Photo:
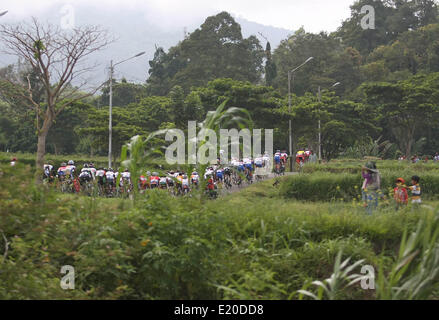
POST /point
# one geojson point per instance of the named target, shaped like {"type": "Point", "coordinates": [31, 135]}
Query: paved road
{"type": "Point", "coordinates": [235, 188]}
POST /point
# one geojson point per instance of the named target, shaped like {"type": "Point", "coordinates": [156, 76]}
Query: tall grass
{"type": "Point", "coordinates": [251, 245]}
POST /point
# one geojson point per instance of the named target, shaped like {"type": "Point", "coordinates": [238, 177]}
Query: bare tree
{"type": "Point", "coordinates": [57, 58]}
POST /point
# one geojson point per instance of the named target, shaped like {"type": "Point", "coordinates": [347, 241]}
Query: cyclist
{"type": "Point", "coordinates": [284, 158]}
{"type": "Point", "coordinates": [163, 183]}
{"type": "Point", "coordinates": [211, 186]}
{"type": "Point", "coordinates": [143, 183]}
{"type": "Point", "coordinates": [259, 162]}
{"type": "Point", "coordinates": [100, 175]}
{"type": "Point", "coordinates": [300, 158]}
{"type": "Point", "coordinates": [71, 168]}
{"type": "Point", "coordinates": [179, 178]}
{"type": "Point", "coordinates": [185, 184]}
{"type": "Point", "coordinates": [170, 182]}
{"type": "Point", "coordinates": [92, 169]}
{"type": "Point", "coordinates": [61, 172]}
{"type": "Point", "coordinates": [48, 171]}
{"type": "Point", "coordinates": [85, 176]}
{"type": "Point", "coordinates": [248, 169]}
{"type": "Point", "coordinates": [195, 178]}
{"type": "Point", "coordinates": [209, 171]}
{"type": "Point", "coordinates": [110, 177]}
{"type": "Point", "coordinates": [154, 180]}
{"type": "Point", "coordinates": [220, 174]}
{"type": "Point", "coordinates": [125, 180]}
{"type": "Point", "coordinates": [277, 160]}
{"type": "Point", "coordinates": [228, 176]}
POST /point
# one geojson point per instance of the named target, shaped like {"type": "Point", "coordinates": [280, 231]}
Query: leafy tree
{"type": "Point", "coordinates": [406, 106]}
{"type": "Point", "coordinates": [123, 128]}
{"type": "Point", "coordinates": [292, 52]}
{"type": "Point", "coordinates": [215, 50]}
{"type": "Point", "coordinates": [270, 66]}
{"type": "Point", "coordinates": [365, 41]}
{"type": "Point", "coordinates": [124, 93]}
{"type": "Point", "coordinates": [413, 52]}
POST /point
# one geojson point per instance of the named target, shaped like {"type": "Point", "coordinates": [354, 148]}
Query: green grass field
{"type": "Point", "coordinates": [254, 244]}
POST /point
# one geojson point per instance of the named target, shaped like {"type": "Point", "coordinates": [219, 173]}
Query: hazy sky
{"type": "Point", "coordinates": [314, 15]}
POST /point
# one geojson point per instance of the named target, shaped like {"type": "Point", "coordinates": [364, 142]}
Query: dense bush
{"type": "Point", "coordinates": [324, 186]}
{"type": "Point", "coordinates": [249, 245]}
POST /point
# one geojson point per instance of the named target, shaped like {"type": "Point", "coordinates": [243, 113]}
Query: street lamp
{"type": "Point", "coordinates": [110, 120]}
{"type": "Point", "coordinates": [290, 73]}
{"type": "Point", "coordinates": [3, 13]}
{"type": "Point", "coordinates": [320, 130]}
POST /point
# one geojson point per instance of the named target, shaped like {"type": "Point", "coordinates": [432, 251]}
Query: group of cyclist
{"type": "Point", "coordinates": [107, 181]}
{"type": "Point", "coordinates": [110, 182]}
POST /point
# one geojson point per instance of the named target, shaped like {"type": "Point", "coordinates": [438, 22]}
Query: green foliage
{"type": "Point", "coordinates": [325, 186]}
{"type": "Point", "coordinates": [405, 106]}
{"type": "Point", "coordinates": [158, 247]}
{"type": "Point", "coordinates": [215, 50]}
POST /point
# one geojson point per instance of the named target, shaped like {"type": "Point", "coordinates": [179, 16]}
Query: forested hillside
{"type": "Point", "coordinates": [388, 87]}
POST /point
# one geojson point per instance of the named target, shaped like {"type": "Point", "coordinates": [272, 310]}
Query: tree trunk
{"type": "Point", "coordinates": [41, 147]}
{"type": "Point", "coordinates": [41, 151]}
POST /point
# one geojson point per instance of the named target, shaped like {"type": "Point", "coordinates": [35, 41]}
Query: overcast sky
{"type": "Point", "coordinates": [140, 25]}
{"type": "Point", "coordinates": [314, 15]}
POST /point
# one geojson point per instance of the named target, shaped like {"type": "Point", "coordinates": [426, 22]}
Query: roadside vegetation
{"type": "Point", "coordinates": [254, 244]}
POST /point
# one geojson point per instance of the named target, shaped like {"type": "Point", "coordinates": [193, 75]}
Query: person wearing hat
{"type": "Point", "coordinates": [400, 194]}
{"type": "Point", "coordinates": [371, 186]}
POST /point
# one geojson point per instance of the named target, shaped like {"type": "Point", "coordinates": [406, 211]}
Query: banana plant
{"type": "Point", "coordinates": [137, 153]}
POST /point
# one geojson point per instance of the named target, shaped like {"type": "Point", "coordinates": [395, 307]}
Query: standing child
{"type": "Point", "coordinates": [416, 190]}
{"type": "Point", "coordinates": [400, 193]}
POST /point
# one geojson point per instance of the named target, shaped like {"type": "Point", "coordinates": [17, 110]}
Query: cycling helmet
{"type": "Point", "coordinates": [71, 163]}
{"type": "Point", "coordinates": [14, 159]}
{"type": "Point", "coordinates": [85, 165]}
{"type": "Point", "coordinates": [195, 173]}
{"type": "Point", "coordinates": [63, 164]}
{"type": "Point", "coordinates": [155, 174]}
{"type": "Point", "coordinates": [400, 180]}
{"type": "Point", "coordinates": [91, 165]}
{"type": "Point", "coordinates": [185, 177]}
{"type": "Point", "coordinates": [110, 169]}
{"type": "Point", "coordinates": [126, 170]}
{"type": "Point", "coordinates": [148, 173]}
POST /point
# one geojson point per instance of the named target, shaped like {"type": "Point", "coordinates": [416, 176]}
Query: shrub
{"type": "Point", "coordinates": [324, 186]}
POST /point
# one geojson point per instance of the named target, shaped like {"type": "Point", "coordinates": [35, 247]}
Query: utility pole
{"type": "Point", "coordinates": [291, 75]}
{"type": "Point", "coordinates": [319, 95]}
{"type": "Point", "coordinates": [110, 119]}
{"type": "Point", "coordinates": [320, 130]}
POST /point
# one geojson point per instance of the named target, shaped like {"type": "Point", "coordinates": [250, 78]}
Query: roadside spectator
{"type": "Point", "coordinates": [400, 194]}
{"type": "Point", "coordinates": [312, 157]}
{"type": "Point", "coordinates": [415, 190]}
{"type": "Point", "coordinates": [371, 186]}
